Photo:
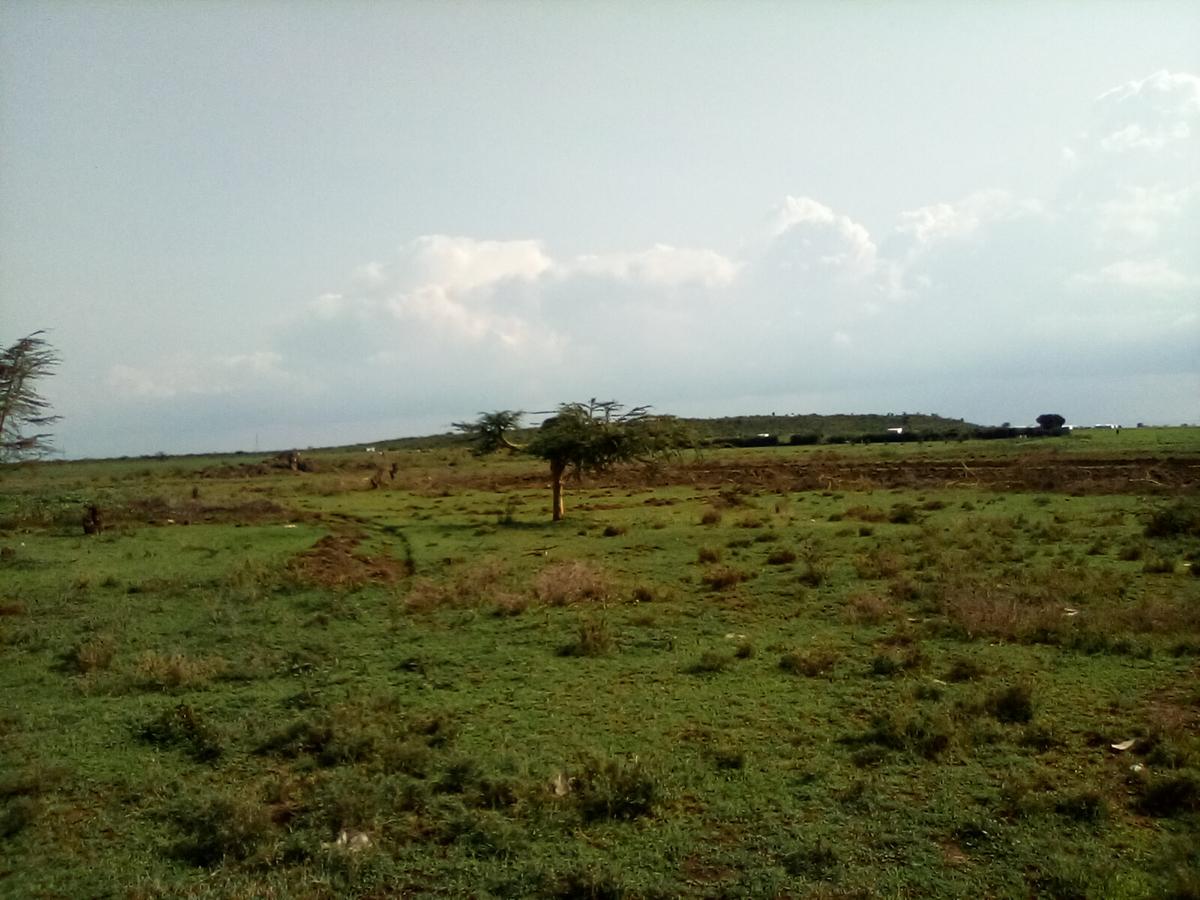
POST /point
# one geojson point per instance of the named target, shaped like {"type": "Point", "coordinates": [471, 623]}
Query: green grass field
{"type": "Point", "coordinates": [789, 672]}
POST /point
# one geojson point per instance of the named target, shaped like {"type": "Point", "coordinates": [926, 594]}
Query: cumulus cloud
{"type": "Point", "coordinates": [812, 304]}
{"type": "Point", "coordinates": [803, 235]}
{"type": "Point", "coordinates": [1136, 275]}
{"type": "Point", "coordinates": [964, 218]}
{"type": "Point", "coordinates": [661, 265]}
{"type": "Point", "coordinates": [188, 375]}
{"type": "Point", "coordinates": [1150, 114]}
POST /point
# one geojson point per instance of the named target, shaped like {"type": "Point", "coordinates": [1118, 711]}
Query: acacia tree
{"type": "Point", "coordinates": [21, 406]}
{"type": "Point", "coordinates": [579, 438]}
{"type": "Point", "coordinates": [1051, 421]}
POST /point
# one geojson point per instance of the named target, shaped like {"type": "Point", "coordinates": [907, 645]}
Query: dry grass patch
{"type": "Point", "coordinates": [810, 663]}
{"type": "Point", "coordinates": [879, 562]}
{"type": "Point", "coordinates": [1046, 605]}
{"type": "Point", "coordinates": [483, 581]}
{"type": "Point", "coordinates": [333, 563]}
{"type": "Point", "coordinates": [867, 608]}
{"type": "Point", "coordinates": [94, 654]}
{"type": "Point", "coordinates": [865, 514]}
{"type": "Point", "coordinates": [721, 578]}
{"type": "Point", "coordinates": [572, 581]}
{"type": "Point", "coordinates": [173, 671]}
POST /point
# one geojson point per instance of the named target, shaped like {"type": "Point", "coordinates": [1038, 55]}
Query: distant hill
{"type": "Point", "coordinates": [835, 427]}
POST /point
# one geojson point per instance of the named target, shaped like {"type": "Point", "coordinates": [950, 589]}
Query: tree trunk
{"type": "Point", "coordinates": [556, 479]}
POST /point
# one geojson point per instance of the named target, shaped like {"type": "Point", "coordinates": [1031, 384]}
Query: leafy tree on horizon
{"type": "Point", "coordinates": [1051, 421]}
{"type": "Point", "coordinates": [21, 406]}
{"type": "Point", "coordinates": [580, 438]}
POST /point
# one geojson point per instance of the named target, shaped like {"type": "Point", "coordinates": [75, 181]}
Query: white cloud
{"type": "Point", "coordinates": [803, 235]}
{"type": "Point", "coordinates": [457, 323]}
{"type": "Point", "coordinates": [1139, 275]}
{"type": "Point", "coordinates": [1149, 114]}
{"type": "Point", "coordinates": [459, 264]}
{"type": "Point", "coordinates": [954, 221]}
{"type": "Point", "coordinates": [660, 265]}
{"type": "Point", "coordinates": [1140, 213]}
{"type": "Point", "coordinates": [190, 375]}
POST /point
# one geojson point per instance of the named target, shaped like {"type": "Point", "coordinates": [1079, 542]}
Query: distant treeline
{"type": "Point", "coordinates": [885, 437]}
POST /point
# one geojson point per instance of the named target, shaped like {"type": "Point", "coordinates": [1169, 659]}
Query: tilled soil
{"type": "Point", "coordinates": [1066, 474]}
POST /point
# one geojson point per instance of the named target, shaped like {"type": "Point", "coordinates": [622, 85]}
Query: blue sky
{"type": "Point", "coordinates": [305, 223]}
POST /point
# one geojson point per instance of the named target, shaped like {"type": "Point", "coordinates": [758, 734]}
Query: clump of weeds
{"type": "Point", "coordinates": [1180, 519]}
{"type": "Point", "coordinates": [182, 727]}
{"type": "Point", "coordinates": [781, 557]}
{"type": "Point", "coordinates": [709, 663]}
{"type": "Point", "coordinates": [93, 654]}
{"type": "Point", "coordinates": [176, 671]}
{"type": "Point", "coordinates": [1168, 794]}
{"type": "Point", "coordinates": [721, 578]}
{"type": "Point", "coordinates": [621, 788]}
{"type": "Point", "coordinates": [218, 829]}
{"type": "Point", "coordinates": [867, 608]}
{"type": "Point", "coordinates": [572, 581]}
{"type": "Point", "coordinates": [1011, 705]}
{"type": "Point", "coordinates": [964, 669]}
{"type": "Point", "coordinates": [816, 568]}
{"type": "Point", "coordinates": [593, 637]}
{"type": "Point", "coordinates": [810, 663]}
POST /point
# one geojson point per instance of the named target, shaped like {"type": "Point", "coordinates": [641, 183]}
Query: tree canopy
{"type": "Point", "coordinates": [581, 437]}
{"type": "Point", "coordinates": [1051, 421]}
{"type": "Point", "coordinates": [21, 406]}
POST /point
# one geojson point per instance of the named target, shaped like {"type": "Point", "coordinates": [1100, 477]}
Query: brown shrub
{"type": "Point", "coordinates": [572, 581]}
{"type": "Point", "coordinates": [781, 557]}
{"type": "Point", "coordinates": [866, 608]}
{"type": "Point", "coordinates": [480, 582]}
{"type": "Point", "coordinates": [720, 578]}
{"type": "Point", "coordinates": [879, 563]}
{"type": "Point", "coordinates": [865, 514]}
{"type": "Point", "coordinates": [708, 555]}
{"type": "Point", "coordinates": [1033, 605]}
{"type": "Point", "coordinates": [810, 663]}
{"type": "Point", "coordinates": [93, 655]}
{"type": "Point", "coordinates": [175, 670]}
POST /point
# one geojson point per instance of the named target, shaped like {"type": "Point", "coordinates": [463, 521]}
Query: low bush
{"type": "Point", "coordinates": [810, 663]}
{"type": "Point", "coordinates": [781, 557]}
{"type": "Point", "coordinates": [710, 662]}
{"type": "Point", "coordinates": [1180, 519]}
{"type": "Point", "coordinates": [1010, 705]}
{"type": "Point", "coordinates": [592, 638]}
{"type": "Point", "coordinates": [1087, 806]}
{"type": "Point", "coordinates": [176, 671]}
{"type": "Point", "coordinates": [866, 608]}
{"type": "Point", "coordinates": [572, 581]}
{"type": "Point", "coordinates": [964, 669]}
{"type": "Point", "coordinates": [879, 562]}
{"type": "Point", "coordinates": [1168, 795]}
{"type": "Point", "coordinates": [217, 829]}
{"type": "Point", "coordinates": [184, 728]}
{"type": "Point", "coordinates": [721, 578]}
{"type": "Point", "coordinates": [903, 514]}
{"type": "Point", "coordinates": [93, 654]}
{"type": "Point", "coordinates": [615, 788]}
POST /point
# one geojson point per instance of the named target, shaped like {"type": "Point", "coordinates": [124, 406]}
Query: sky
{"type": "Point", "coordinates": [261, 225]}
